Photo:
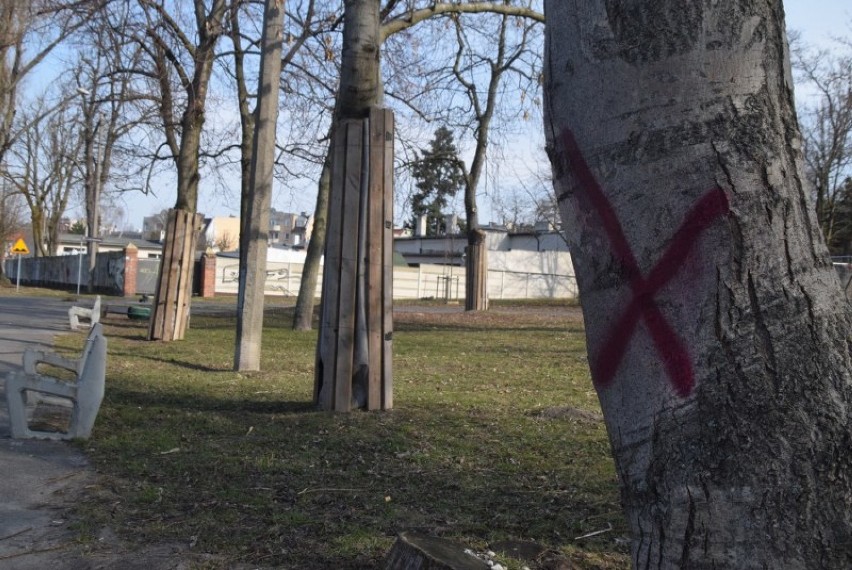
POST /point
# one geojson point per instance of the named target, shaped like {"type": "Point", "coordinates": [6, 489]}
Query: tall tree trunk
{"type": "Point", "coordinates": [246, 129]}
{"type": "Point", "coordinates": [717, 334]}
{"type": "Point", "coordinates": [476, 260]}
{"type": "Point", "coordinates": [93, 196]}
{"type": "Point", "coordinates": [253, 271]}
{"type": "Point", "coordinates": [304, 310]}
{"type": "Point", "coordinates": [360, 83]}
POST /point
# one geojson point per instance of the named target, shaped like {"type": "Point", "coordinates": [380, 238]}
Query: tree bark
{"type": "Point", "coordinates": [717, 333]}
{"type": "Point", "coordinates": [360, 83]}
{"type": "Point", "coordinates": [304, 311]}
{"type": "Point", "coordinates": [253, 271]}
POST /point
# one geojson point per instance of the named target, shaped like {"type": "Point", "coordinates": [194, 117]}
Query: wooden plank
{"type": "Point", "coordinates": [185, 271]}
{"type": "Point", "coordinates": [348, 268]}
{"type": "Point", "coordinates": [387, 255]}
{"type": "Point", "coordinates": [157, 313]}
{"type": "Point", "coordinates": [174, 275]}
{"type": "Point", "coordinates": [327, 344]}
{"type": "Point", "coordinates": [154, 328]}
{"type": "Point", "coordinates": [375, 260]}
{"type": "Point", "coordinates": [157, 328]}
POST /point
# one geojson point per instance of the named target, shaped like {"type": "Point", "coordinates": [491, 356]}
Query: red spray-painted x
{"type": "Point", "coordinates": [672, 351]}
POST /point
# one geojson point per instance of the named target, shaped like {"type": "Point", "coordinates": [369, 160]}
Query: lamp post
{"type": "Point", "coordinates": [94, 201]}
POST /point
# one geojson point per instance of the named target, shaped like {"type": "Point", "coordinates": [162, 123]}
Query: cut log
{"type": "Point", "coordinates": [413, 551]}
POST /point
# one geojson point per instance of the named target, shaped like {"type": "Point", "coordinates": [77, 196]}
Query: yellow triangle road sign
{"type": "Point", "coordinates": [20, 247]}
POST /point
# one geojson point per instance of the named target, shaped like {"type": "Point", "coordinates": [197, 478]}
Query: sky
{"type": "Point", "coordinates": [817, 21]}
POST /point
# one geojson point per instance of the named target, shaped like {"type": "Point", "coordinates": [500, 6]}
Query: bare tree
{"type": "Point", "coordinates": [255, 198]}
{"type": "Point", "coordinates": [42, 166]}
{"type": "Point", "coordinates": [29, 32]}
{"type": "Point", "coordinates": [178, 44]}
{"type": "Point", "coordinates": [252, 286]}
{"type": "Point", "coordinates": [109, 113]}
{"type": "Point", "coordinates": [826, 120]}
{"type": "Point", "coordinates": [395, 19]}
{"type": "Point", "coordinates": [487, 55]}
{"type": "Point", "coordinates": [11, 218]}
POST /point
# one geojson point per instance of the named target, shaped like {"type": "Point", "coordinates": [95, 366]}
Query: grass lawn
{"type": "Point", "coordinates": [496, 436]}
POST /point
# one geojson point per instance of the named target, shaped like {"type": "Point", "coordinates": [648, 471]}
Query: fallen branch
{"type": "Point", "coordinates": [595, 533]}
{"type": "Point", "coordinates": [321, 490]}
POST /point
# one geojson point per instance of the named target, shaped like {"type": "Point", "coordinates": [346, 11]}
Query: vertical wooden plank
{"type": "Point", "coordinates": [174, 273]}
{"type": "Point", "coordinates": [174, 276]}
{"type": "Point", "coordinates": [157, 312]}
{"type": "Point", "coordinates": [184, 286]}
{"type": "Point", "coordinates": [387, 258]}
{"type": "Point", "coordinates": [375, 259]}
{"type": "Point", "coordinates": [327, 345]}
{"type": "Point", "coordinates": [157, 327]}
{"type": "Point", "coordinates": [348, 268]}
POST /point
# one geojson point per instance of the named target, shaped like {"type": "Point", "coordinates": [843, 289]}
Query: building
{"type": "Point", "coordinates": [154, 227]}
{"type": "Point", "coordinates": [222, 233]}
{"type": "Point", "coordinates": [290, 230]}
{"type": "Point", "coordinates": [73, 244]}
{"type": "Point", "coordinates": [449, 249]}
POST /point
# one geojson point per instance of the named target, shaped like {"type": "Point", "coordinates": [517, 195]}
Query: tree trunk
{"type": "Point", "coordinates": [37, 217]}
{"type": "Point", "coordinates": [253, 271]}
{"type": "Point", "coordinates": [246, 129]}
{"type": "Point", "coordinates": [476, 261]}
{"type": "Point", "coordinates": [717, 334]}
{"type": "Point", "coordinates": [304, 310]}
{"type": "Point", "coordinates": [360, 84]}
{"type": "Point", "coordinates": [179, 264]}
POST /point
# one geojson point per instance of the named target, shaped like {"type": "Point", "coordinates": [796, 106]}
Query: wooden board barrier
{"type": "Point", "coordinates": [356, 310]}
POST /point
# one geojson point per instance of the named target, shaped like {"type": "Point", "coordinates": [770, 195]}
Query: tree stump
{"type": "Point", "coordinates": [413, 551]}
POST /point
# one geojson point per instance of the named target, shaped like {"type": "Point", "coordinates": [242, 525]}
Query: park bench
{"type": "Point", "coordinates": [84, 392]}
{"type": "Point", "coordinates": [76, 313]}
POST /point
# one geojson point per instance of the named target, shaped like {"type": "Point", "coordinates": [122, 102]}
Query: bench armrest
{"type": "Point", "coordinates": [34, 357]}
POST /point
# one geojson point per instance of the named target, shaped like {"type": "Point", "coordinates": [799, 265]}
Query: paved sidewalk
{"type": "Point", "coordinates": [41, 480]}
{"type": "Point", "coordinates": [39, 477]}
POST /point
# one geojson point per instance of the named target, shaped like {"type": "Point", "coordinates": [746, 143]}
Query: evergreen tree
{"type": "Point", "coordinates": [439, 175]}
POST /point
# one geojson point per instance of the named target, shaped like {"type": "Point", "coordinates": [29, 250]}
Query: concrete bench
{"type": "Point", "coordinates": [93, 314]}
{"type": "Point", "coordinates": [84, 392]}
